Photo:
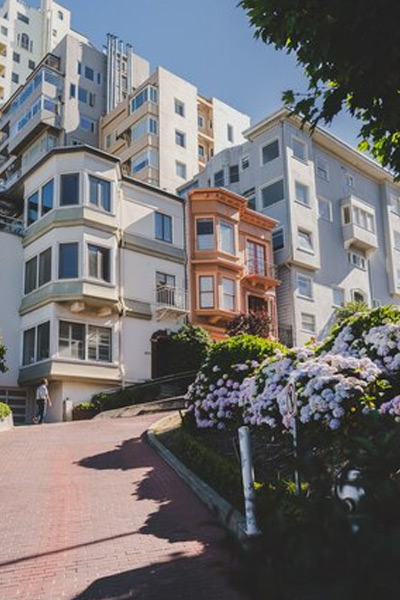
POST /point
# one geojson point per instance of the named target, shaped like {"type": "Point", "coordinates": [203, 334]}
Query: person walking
{"type": "Point", "coordinates": [42, 401]}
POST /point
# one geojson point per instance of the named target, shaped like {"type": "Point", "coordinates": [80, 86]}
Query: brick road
{"type": "Point", "coordinates": [89, 511]}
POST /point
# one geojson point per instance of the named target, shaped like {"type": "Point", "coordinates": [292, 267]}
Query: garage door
{"type": "Point", "coordinates": [17, 401]}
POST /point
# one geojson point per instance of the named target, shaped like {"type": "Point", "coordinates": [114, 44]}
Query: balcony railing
{"type": "Point", "coordinates": [259, 267]}
{"type": "Point", "coordinates": [11, 225]}
{"type": "Point", "coordinates": [171, 297]}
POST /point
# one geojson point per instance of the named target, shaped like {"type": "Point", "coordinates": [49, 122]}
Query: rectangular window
{"type": "Point", "coordinates": [143, 127]}
{"type": "Point", "coordinates": [302, 193]}
{"type": "Point", "coordinates": [82, 95]}
{"type": "Point", "coordinates": [270, 152]}
{"type": "Point", "coordinates": [72, 90]}
{"type": "Point", "coordinates": [47, 197]}
{"type": "Point", "coordinates": [29, 347]}
{"type": "Point", "coordinates": [100, 193]}
{"type": "Point", "coordinates": [149, 94]}
{"type": "Point", "coordinates": [229, 133]}
{"type": "Point", "coordinates": [43, 342]}
{"type": "Point", "coordinates": [322, 169]}
{"type": "Point", "coordinates": [153, 126]}
{"type": "Point", "coordinates": [256, 262]}
{"type": "Point", "coordinates": [205, 234]}
{"type": "Point", "coordinates": [271, 194]}
{"type": "Point", "coordinates": [44, 267]}
{"type": "Point", "coordinates": [79, 68]}
{"type": "Point", "coordinates": [299, 149]}
{"type": "Point", "coordinates": [228, 294]}
{"type": "Point", "coordinates": [99, 262]}
{"type": "Point", "coordinates": [15, 77]}
{"type": "Point", "coordinates": [337, 296]}
{"type": "Point", "coordinates": [179, 108]}
{"type": "Point", "coordinates": [16, 57]}
{"type": "Point", "coordinates": [147, 159]}
{"type": "Point", "coordinates": [68, 261]}
{"type": "Point", "coordinates": [89, 73]}
{"type": "Point", "coordinates": [324, 209]}
{"type": "Point", "coordinates": [226, 237]}
{"type": "Point", "coordinates": [397, 240]}
{"type": "Point", "coordinates": [88, 124]}
{"type": "Point", "coordinates": [180, 169]}
{"type": "Point", "coordinates": [200, 122]}
{"type": "Point", "coordinates": [4, 31]}
{"type": "Point", "coordinates": [23, 18]}
{"type": "Point", "coordinates": [219, 178]}
{"type": "Point", "coordinates": [31, 64]}
{"type": "Point", "coordinates": [278, 239]}
{"type": "Point", "coordinates": [245, 162]}
{"type": "Point", "coordinates": [201, 151]}
{"type": "Point", "coordinates": [99, 344]}
{"type": "Point", "coordinates": [305, 240]}
{"type": "Point", "coordinates": [304, 286]}
{"type": "Point", "coordinates": [163, 227]}
{"type": "Point", "coordinates": [99, 78]}
{"type": "Point", "coordinates": [180, 138]}
{"type": "Point", "coordinates": [206, 288]}
{"type": "Point", "coordinates": [363, 218]}
{"type": "Point", "coordinates": [308, 323]}
{"type": "Point", "coordinates": [234, 174]}
{"type": "Point", "coordinates": [69, 193]}
{"type": "Point", "coordinates": [357, 260]}
{"type": "Point", "coordinates": [31, 275]}
{"type": "Point", "coordinates": [33, 208]}
{"type": "Point", "coordinates": [71, 340]}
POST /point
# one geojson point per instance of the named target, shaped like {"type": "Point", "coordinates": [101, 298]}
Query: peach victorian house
{"type": "Point", "coordinates": [230, 258]}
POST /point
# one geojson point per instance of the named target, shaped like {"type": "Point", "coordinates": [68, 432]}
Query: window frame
{"type": "Point", "coordinates": [302, 231]}
{"type": "Point", "coordinates": [268, 185]}
{"type": "Point", "coordinates": [217, 173]}
{"type": "Point", "coordinates": [179, 164]}
{"type": "Point", "coordinates": [164, 217]}
{"type": "Point", "coordinates": [231, 227]}
{"type": "Point", "coordinates": [223, 294]}
{"type": "Point", "coordinates": [63, 177]}
{"type": "Point", "coordinates": [313, 317]}
{"type": "Point", "coordinates": [297, 139]}
{"type": "Point", "coordinates": [276, 231]}
{"type": "Point", "coordinates": [103, 268]}
{"type": "Point", "coordinates": [100, 201]}
{"type": "Point", "coordinates": [78, 267]}
{"type": "Point", "coordinates": [320, 200]}
{"type": "Point", "coordinates": [318, 169]}
{"type": "Point", "coordinates": [69, 357]}
{"type": "Point", "coordinates": [245, 160]}
{"type": "Point", "coordinates": [310, 282]}
{"type": "Point", "coordinates": [180, 135]}
{"type": "Point", "coordinates": [269, 143]}
{"type": "Point", "coordinates": [179, 107]}
{"type": "Point", "coordinates": [336, 288]}
{"type": "Point", "coordinates": [197, 236]}
{"type": "Point", "coordinates": [201, 292]}
{"type": "Point", "coordinates": [299, 184]}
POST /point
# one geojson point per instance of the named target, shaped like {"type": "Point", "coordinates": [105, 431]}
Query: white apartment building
{"type": "Point", "coordinates": [60, 104]}
{"type": "Point", "coordinates": [27, 34]}
{"type": "Point", "coordinates": [95, 268]}
{"type": "Point", "coordinates": [165, 131]}
{"type": "Point", "coordinates": [339, 213]}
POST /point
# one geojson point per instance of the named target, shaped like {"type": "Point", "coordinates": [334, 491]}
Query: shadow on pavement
{"type": "Point", "coordinates": [202, 571]}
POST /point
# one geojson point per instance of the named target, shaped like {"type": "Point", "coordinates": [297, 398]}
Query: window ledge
{"type": "Point", "coordinates": [309, 206]}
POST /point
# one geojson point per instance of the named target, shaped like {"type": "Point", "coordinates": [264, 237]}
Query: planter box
{"type": "Point", "coordinates": [83, 415]}
{"type": "Point", "coordinates": [7, 423]}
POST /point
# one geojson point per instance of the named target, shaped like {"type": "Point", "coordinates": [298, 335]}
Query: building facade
{"type": "Point", "coordinates": [95, 269]}
{"type": "Point", "coordinates": [338, 237]}
{"type": "Point", "coordinates": [27, 34]}
{"type": "Point", "coordinates": [230, 260]}
{"type": "Point", "coordinates": [166, 131]}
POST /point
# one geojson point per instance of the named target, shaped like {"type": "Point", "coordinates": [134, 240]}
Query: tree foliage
{"type": "Point", "coordinates": [254, 323]}
{"type": "Point", "coordinates": [349, 309]}
{"type": "Point", "coordinates": [350, 52]}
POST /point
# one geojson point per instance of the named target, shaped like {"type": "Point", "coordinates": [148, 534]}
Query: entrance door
{"type": "Point", "coordinates": [17, 401]}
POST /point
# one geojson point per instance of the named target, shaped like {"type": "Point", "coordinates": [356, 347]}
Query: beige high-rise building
{"type": "Point", "coordinates": [165, 131]}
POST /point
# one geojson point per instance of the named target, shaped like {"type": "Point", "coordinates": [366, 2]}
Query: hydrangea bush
{"type": "Point", "coordinates": [214, 397]}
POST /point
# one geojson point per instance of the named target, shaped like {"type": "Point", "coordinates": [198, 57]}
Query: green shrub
{"type": "Point", "coordinates": [85, 406]}
{"type": "Point", "coordinates": [5, 411]}
{"type": "Point", "coordinates": [254, 323]}
{"type": "Point", "coordinates": [126, 397]}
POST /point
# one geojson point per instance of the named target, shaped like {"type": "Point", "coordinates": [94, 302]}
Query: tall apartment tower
{"type": "Point", "coordinates": [338, 237]}
{"type": "Point", "coordinates": [27, 34]}
{"type": "Point", "coordinates": [165, 131]}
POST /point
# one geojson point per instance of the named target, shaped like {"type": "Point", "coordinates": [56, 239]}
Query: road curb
{"type": "Point", "coordinates": [228, 516]}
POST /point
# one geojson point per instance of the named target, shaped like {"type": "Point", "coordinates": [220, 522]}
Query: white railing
{"type": "Point", "coordinates": [172, 297]}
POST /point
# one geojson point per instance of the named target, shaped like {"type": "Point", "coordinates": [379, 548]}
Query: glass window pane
{"type": "Point", "coordinates": [69, 189]}
{"type": "Point", "coordinates": [43, 341]}
{"type": "Point", "coordinates": [227, 238]}
{"type": "Point", "coordinates": [68, 261]}
{"type": "Point", "coordinates": [30, 275]}
{"type": "Point", "coordinates": [301, 191]}
{"type": "Point", "coordinates": [47, 197]}
{"type": "Point", "coordinates": [299, 149]}
{"type": "Point", "coordinates": [205, 234]}
{"type": "Point", "coordinates": [272, 193]}
{"type": "Point", "coordinates": [33, 208]}
{"type": "Point", "coordinates": [29, 347]}
{"type": "Point", "coordinates": [45, 267]}
{"type": "Point", "coordinates": [270, 152]}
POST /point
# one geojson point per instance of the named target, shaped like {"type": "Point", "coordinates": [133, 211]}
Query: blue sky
{"type": "Point", "coordinates": [208, 42]}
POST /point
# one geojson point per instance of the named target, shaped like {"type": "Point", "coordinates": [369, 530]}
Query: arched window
{"type": "Point", "coordinates": [25, 41]}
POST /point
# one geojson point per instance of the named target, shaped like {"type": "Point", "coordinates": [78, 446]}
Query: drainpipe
{"type": "Point", "coordinates": [289, 223]}
{"type": "Point", "coordinates": [120, 272]}
{"type": "Point", "coordinates": [121, 51]}
{"type": "Point", "coordinates": [108, 72]}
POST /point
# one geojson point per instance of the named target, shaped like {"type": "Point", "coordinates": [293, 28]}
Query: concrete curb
{"type": "Point", "coordinates": [230, 518]}
{"type": "Point", "coordinates": [136, 410]}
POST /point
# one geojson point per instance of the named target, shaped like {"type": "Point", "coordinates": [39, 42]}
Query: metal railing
{"type": "Point", "coordinates": [169, 296]}
{"type": "Point", "coordinates": [11, 225]}
{"type": "Point", "coordinates": [253, 266]}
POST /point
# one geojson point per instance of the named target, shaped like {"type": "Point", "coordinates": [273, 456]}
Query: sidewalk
{"type": "Point", "coordinates": [89, 511]}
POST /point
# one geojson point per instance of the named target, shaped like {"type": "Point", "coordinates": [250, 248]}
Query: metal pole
{"type": "Point", "coordinates": [292, 407]}
{"type": "Point", "coordinates": [248, 481]}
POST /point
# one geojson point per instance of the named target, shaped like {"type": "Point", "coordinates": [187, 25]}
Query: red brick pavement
{"type": "Point", "coordinates": [89, 511]}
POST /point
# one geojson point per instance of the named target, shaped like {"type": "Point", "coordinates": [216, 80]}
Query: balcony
{"type": "Point", "coordinates": [259, 273]}
{"type": "Point", "coordinates": [171, 302]}
{"type": "Point", "coordinates": [358, 226]}
{"type": "Point", "coordinates": [11, 225]}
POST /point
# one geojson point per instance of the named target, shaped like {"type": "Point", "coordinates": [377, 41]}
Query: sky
{"type": "Point", "coordinates": [209, 43]}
